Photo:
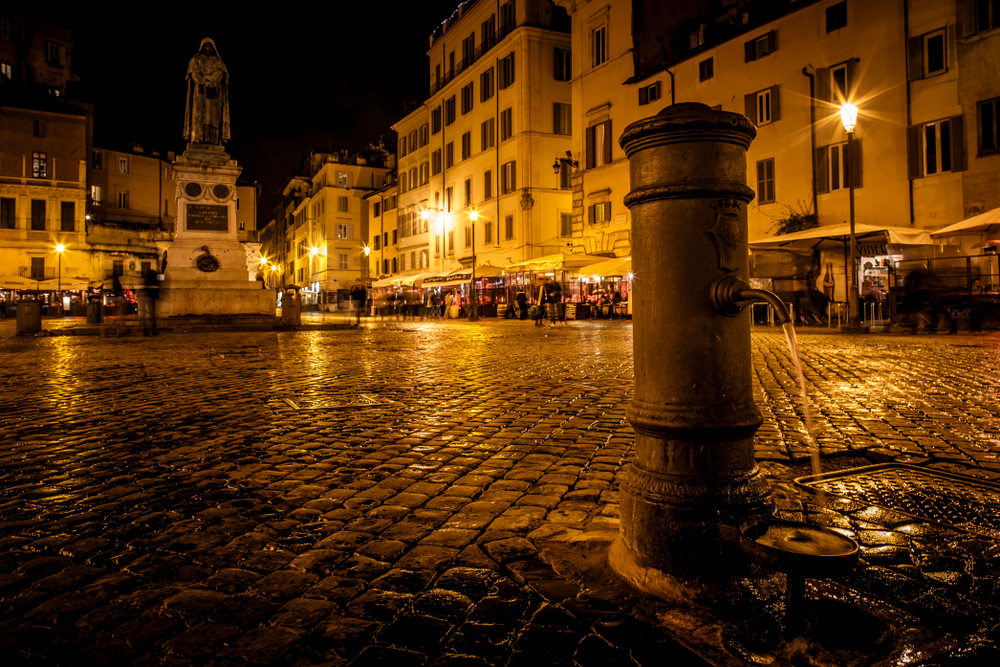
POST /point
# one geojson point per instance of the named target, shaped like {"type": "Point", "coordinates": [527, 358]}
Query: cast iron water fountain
{"type": "Point", "coordinates": [694, 489]}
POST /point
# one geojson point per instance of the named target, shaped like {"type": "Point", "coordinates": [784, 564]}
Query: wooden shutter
{"type": "Point", "coordinates": [855, 157]}
{"type": "Point", "coordinates": [590, 147]}
{"type": "Point", "coordinates": [555, 118]}
{"type": "Point", "coordinates": [590, 213]}
{"type": "Point", "coordinates": [772, 41]}
{"type": "Point", "coordinates": [823, 169]}
{"type": "Point", "coordinates": [775, 106]}
{"type": "Point", "coordinates": [850, 66]}
{"type": "Point", "coordinates": [966, 18]}
{"type": "Point", "coordinates": [644, 95]}
{"type": "Point", "coordinates": [749, 51]}
{"type": "Point", "coordinates": [914, 152]}
{"type": "Point", "coordinates": [750, 107]}
{"type": "Point", "coordinates": [958, 162]}
{"type": "Point", "coordinates": [823, 84]}
{"type": "Point", "coordinates": [914, 58]}
{"type": "Point", "coordinates": [607, 142]}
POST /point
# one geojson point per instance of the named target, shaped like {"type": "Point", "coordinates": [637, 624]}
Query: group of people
{"type": "Point", "coordinates": [548, 304]}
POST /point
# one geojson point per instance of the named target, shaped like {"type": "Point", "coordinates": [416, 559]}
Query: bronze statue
{"type": "Point", "coordinates": [206, 115]}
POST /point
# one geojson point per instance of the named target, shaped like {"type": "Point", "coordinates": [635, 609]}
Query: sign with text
{"type": "Point", "coordinates": [207, 218]}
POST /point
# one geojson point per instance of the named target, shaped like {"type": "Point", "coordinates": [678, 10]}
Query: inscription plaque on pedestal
{"type": "Point", "coordinates": [207, 218]}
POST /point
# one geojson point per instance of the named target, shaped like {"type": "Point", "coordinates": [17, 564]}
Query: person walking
{"type": "Point", "coordinates": [540, 305]}
{"type": "Point", "coordinates": [553, 302]}
{"type": "Point", "coordinates": [616, 299]}
{"type": "Point", "coordinates": [522, 305]}
{"type": "Point", "coordinates": [358, 296]}
{"type": "Point", "coordinates": [448, 300]}
{"type": "Point", "coordinates": [147, 303]}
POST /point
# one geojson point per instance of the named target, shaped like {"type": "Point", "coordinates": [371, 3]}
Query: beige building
{"type": "Point", "coordinates": [921, 75]}
{"type": "Point", "coordinates": [497, 117]}
{"type": "Point", "coordinates": [383, 236]}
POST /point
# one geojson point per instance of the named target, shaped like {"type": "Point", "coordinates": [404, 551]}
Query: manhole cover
{"type": "Point", "coordinates": [952, 500]}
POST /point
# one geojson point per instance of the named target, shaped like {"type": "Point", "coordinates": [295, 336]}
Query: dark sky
{"type": "Point", "coordinates": [301, 75]}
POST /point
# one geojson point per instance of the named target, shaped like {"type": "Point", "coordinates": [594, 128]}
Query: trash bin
{"type": "Point", "coordinates": [29, 317]}
{"type": "Point", "coordinates": [94, 311]}
{"type": "Point", "coordinates": [291, 307]}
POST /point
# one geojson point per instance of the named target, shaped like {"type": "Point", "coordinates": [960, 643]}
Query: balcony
{"type": "Point", "coordinates": [35, 273]}
{"type": "Point", "coordinates": [492, 40]}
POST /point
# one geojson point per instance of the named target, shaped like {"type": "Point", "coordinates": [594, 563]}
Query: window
{"type": "Point", "coordinates": [706, 69]}
{"type": "Point", "coordinates": [564, 65]}
{"type": "Point", "coordinates": [67, 216]}
{"type": "Point", "coordinates": [6, 71]}
{"type": "Point", "coordinates": [488, 232]}
{"type": "Point", "coordinates": [986, 16]}
{"type": "Point", "coordinates": [123, 199]}
{"type": "Point", "coordinates": [38, 215]}
{"type": "Point", "coordinates": [449, 198]}
{"type": "Point", "coordinates": [466, 99]}
{"type": "Point", "coordinates": [39, 165]}
{"type": "Point", "coordinates": [765, 181]}
{"type": "Point", "coordinates": [487, 32]}
{"type": "Point", "coordinates": [599, 144]}
{"type": "Point", "coordinates": [436, 120]}
{"type": "Point", "coordinates": [508, 177]}
{"type": "Point", "coordinates": [834, 166]}
{"type": "Point", "coordinates": [599, 212]}
{"type": "Point", "coordinates": [425, 173]}
{"type": "Point", "coordinates": [39, 128]}
{"type": "Point", "coordinates": [424, 134]}
{"type": "Point", "coordinates": [506, 124]}
{"type": "Point", "coordinates": [466, 145]}
{"type": "Point", "coordinates": [561, 123]}
{"type": "Point", "coordinates": [394, 236]}
{"type": "Point", "coordinates": [507, 17]}
{"type": "Point", "coordinates": [123, 165]}
{"type": "Point", "coordinates": [762, 106]}
{"type": "Point", "coordinates": [508, 227]}
{"type": "Point", "coordinates": [402, 182]}
{"type": "Point", "coordinates": [599, 45]}
{"type": "Point", "coordinates": [436, 162]}
{"type": "Point", "coordinates": [488, 184]}
{"type": "Point", "coordinates": [565, 225]}
{"type": "Point", "coordinates": [343, 180]}
{"type": "Point", "coordinates": [54, 54]}
{"type": "Point", "coordinates": [376, 240]}
{"type": "Point", "coordinates": [506, 71]}
{"type": "Point", "coordinates": [402, 146]}
{"type": "Point", "coordinates": [38, 268]}
{"type": "Point", "coordinates": [935, 148]}
{"type": "Point", "coordinates": [376, 209]}
{"type": "Point", "coordinates": [650, 93]}
{"type": "Point", "coordinates": [761, 47]}
{"type": "Point", "coordinates": [8, 213]}
{"type": "Point", "coordinates": [5, 31]}
{"type": "Point", "coordinates": [413, 178]}
{"type": "Point", "coordinates": [565, 175]}
{"type": "Point", "coordinates": [341, 232]}
{"type": "Point", "coordinates": [449, 155]}
{"type": "Point", "coordinates": [989, 127]}
{"type": "Point", "coordinates": [468, 50]}
{"type": "Point", "coordinates": [487, 129]}
{"type": "Point", "coordinates": [486, 85]}
{"type": "Point", "coordinates": [342, 261]}
{"type": "Point", "coordinates": [468, 192]}
{"type": "Point", "coordinates": [468, 236]}
{"type": "Point", "coordinates": [449, 110]}
{"type": "Point", "coordinates": [343, 205]}
{"type": "Point", "coordinates": [96, 195]}
{"type": "Point", "coordinates": [451, 240]}
{"type": "Point", "coordinates": [118, 267]}
{"type": "Point", "coordinates": [836, 16]}
{"type": "Point", "coordinates": [926, 55]}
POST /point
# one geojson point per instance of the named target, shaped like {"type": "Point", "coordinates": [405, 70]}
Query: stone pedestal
{"type": "Point", "coordinates": [207, 269]}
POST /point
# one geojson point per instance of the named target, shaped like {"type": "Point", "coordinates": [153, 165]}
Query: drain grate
{"type": "Point", "coordinates": [940, 497]}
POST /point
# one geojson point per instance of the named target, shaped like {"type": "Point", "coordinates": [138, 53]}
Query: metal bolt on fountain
{"type": "Point", "coordinates": [694, 488]}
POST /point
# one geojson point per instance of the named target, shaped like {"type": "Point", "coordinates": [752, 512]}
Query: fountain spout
{"type": "Point", "coordinates": [730, 295]}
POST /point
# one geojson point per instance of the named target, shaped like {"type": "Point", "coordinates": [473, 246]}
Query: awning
{"type": "Point", "coordinates": [391, 281]}
{"type": "Point", "coordinates": [835, 236]}
{"type": "Point", "coordinates": [619, 266]}
{"type": "Point", "coordinates": [979, 224]}
{"type": "Point", "coordinates": [558, 262]}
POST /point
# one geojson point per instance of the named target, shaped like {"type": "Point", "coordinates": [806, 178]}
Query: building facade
{"type": "Point", "coordinates": [496, 118]}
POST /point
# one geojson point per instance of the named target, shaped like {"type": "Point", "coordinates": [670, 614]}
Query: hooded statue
{"type": "Point", "coordinates": [206, 114]}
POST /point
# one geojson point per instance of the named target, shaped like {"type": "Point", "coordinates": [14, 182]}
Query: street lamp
{"type": "Point", "coordinates": [60, 248]}
{"type": "Point", "coordinates": [849, 118]}
{"type": "Point", "coordinates": [474, 313]}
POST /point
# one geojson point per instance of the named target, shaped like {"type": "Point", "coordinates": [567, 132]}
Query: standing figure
{"type": "Point", "coordinates": [206, 114]}
{"type": "Point", "coordinates": [540, 304]}
{"type": "Point", "coordinates": [147, 302]}
{"type": "Point", "coordinates": [358, 296]}
{"type": "Point", "coordinates": [828, 283]}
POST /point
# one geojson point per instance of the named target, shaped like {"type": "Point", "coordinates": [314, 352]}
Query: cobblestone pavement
{"type": "Point", "coordinates": [390, 494]}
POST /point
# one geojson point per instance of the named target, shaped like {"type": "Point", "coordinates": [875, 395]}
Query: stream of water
{"type": "Point", "coordinates": [793, 347]}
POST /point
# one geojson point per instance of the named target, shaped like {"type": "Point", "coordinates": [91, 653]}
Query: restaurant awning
{"type": "Point", "coordinates": [619, 266]}
{"type": "Point", "coordinates": [463, 276]}
{"type": "Point", "coordinates": [558, 262]}
{"type": "Point", "coordinates": [979, 224]}
{"type": "Point", "coordinates": [835, 236]}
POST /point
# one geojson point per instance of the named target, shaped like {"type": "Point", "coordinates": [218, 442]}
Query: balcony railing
{"type": "Point", "coordinates": [492, 40]}
{"type": "Point", "coordinates": [35, 273]}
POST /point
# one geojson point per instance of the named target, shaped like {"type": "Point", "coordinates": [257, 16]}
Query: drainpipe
{"type": "Point", "coordinates": [909, 105]}
{"type": "Point", "coordinates": [812, 135]}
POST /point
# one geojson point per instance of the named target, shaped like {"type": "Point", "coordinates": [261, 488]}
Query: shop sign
{"type": "Point", "coordinates": [872, 249]}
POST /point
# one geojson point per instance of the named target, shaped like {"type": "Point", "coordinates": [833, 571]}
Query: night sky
{"type": "Point", "coordinates": [301, 76]}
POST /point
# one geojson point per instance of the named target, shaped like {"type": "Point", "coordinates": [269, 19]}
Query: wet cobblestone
{"type": "Point", "coordinates": [228, 498]}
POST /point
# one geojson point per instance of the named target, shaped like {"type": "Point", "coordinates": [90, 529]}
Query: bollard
{"type": "Point", "coordinates": [693, 412]}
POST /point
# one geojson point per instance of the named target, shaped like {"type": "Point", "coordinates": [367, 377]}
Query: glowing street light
{"type": "Point", "coordinates": [474, 313]}
{"type": "Point", "coordinates": [60, 249]}
{"type": "Point", "coordinates": [849, 118]}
